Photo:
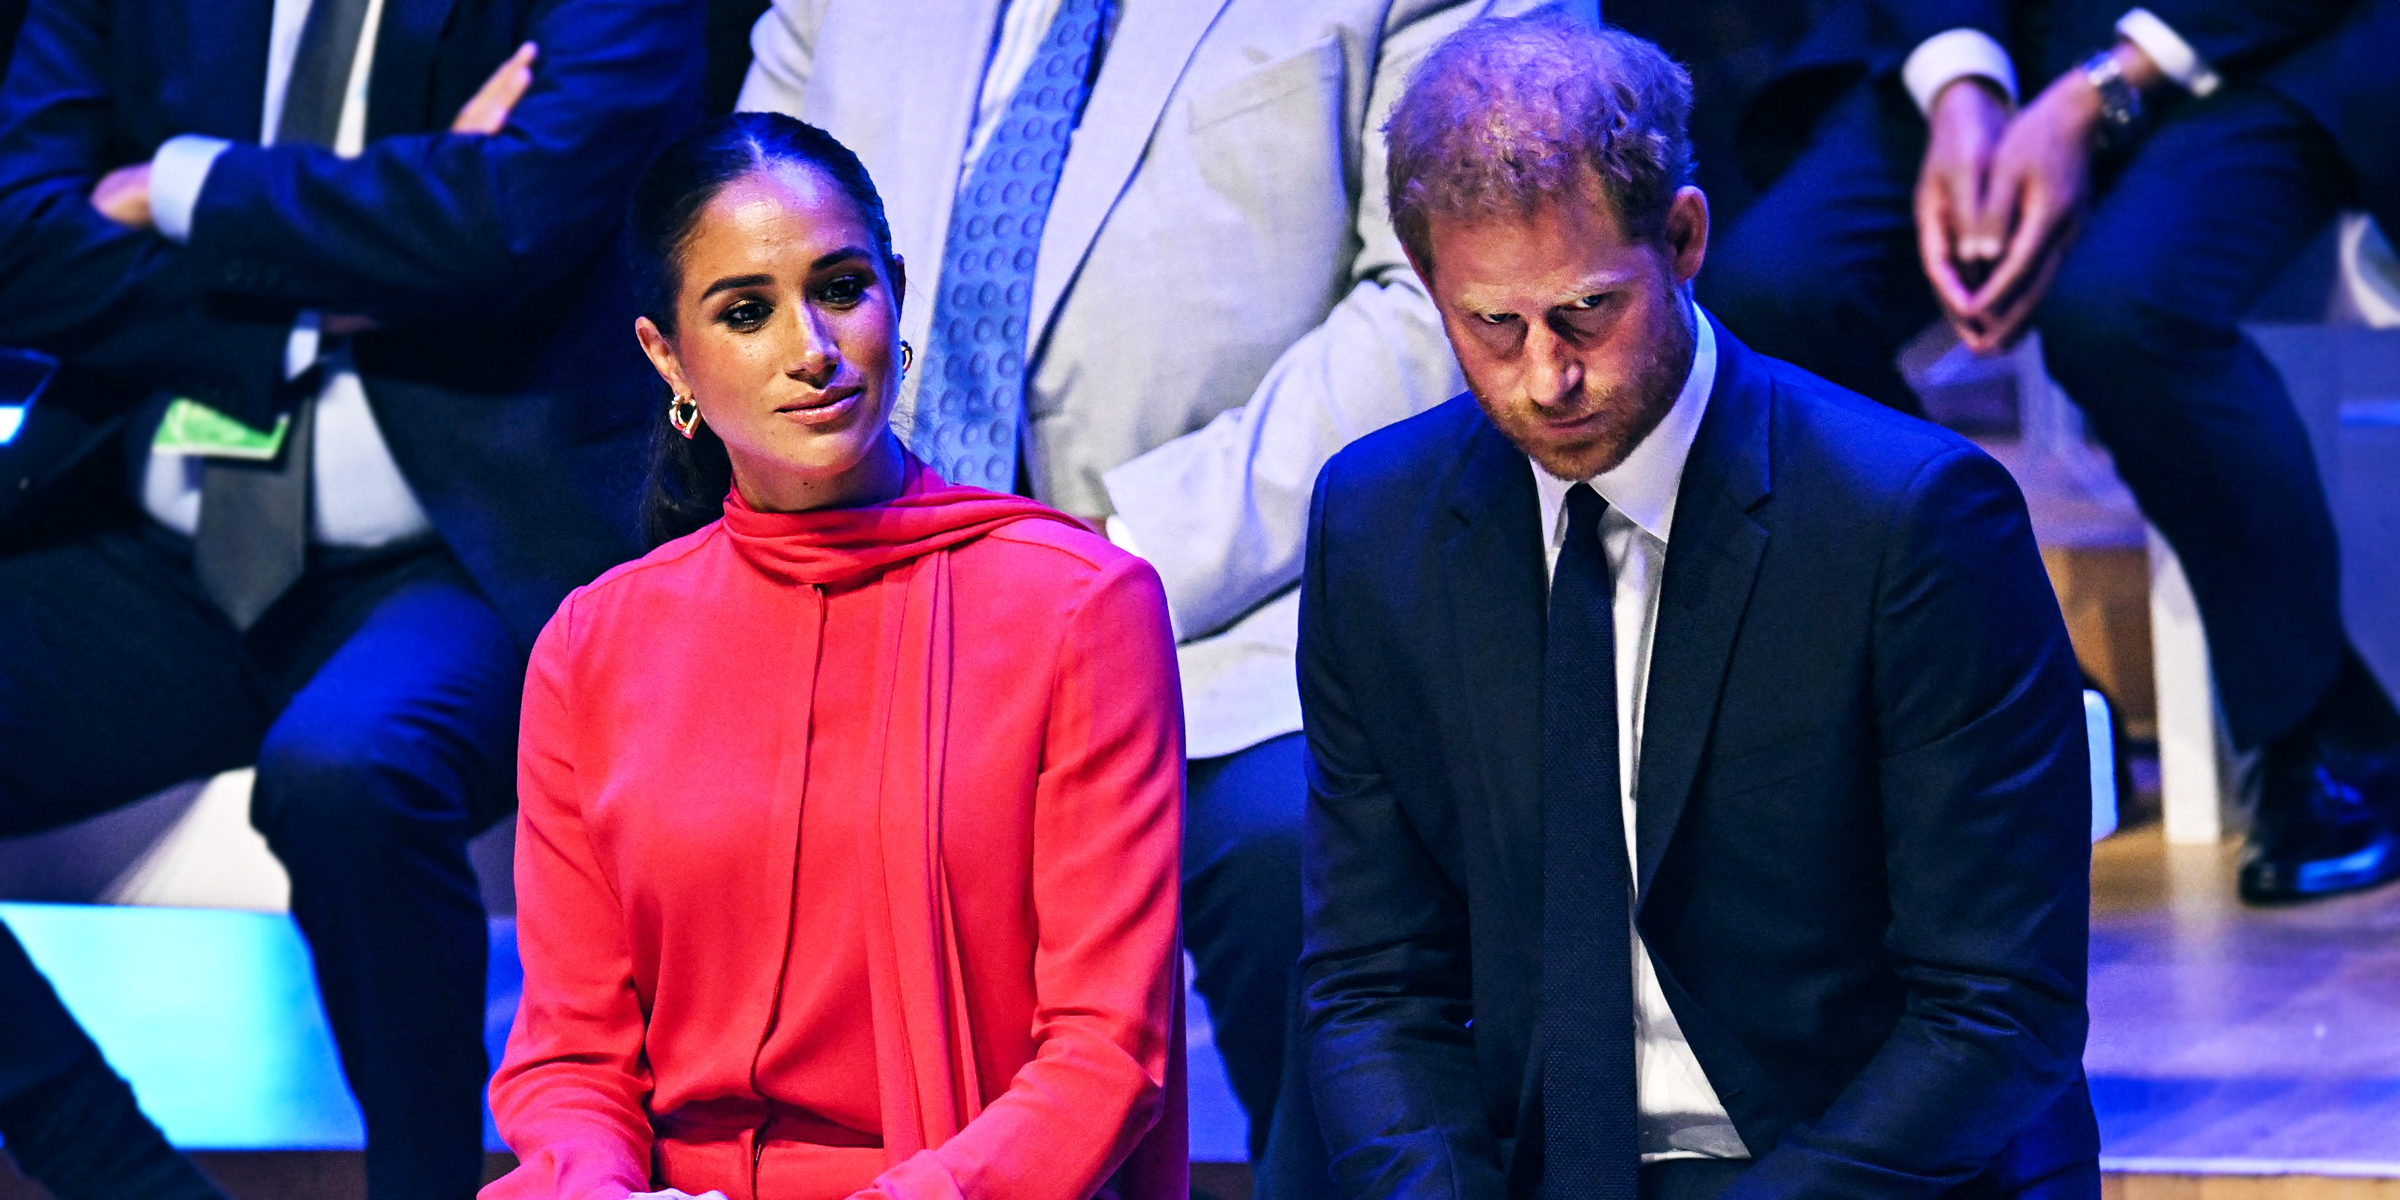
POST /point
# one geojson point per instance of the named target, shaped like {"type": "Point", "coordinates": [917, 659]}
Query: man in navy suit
{"type": "Point", "coordinates": [348, 401]}
{"type": "Point", "coordinates": [2180, 156]}
{"type": "Point", "coordinates": [1699, 791]}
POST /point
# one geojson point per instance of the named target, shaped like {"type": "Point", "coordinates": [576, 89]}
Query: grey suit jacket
{"type": "Point", "coordinates": [1219, 303]}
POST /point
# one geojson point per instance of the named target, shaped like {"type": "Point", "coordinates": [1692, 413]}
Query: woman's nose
{"type": "Point", "coordinates": [817, 356]}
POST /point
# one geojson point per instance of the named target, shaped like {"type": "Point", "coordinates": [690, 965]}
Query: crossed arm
{"type": "Point", "coordinates": [444, 223]}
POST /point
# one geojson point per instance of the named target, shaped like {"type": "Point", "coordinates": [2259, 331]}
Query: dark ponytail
{"type": "Point", "coordinates": [689, 478]}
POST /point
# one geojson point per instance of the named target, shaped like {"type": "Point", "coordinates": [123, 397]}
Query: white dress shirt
{"type": "Point", "coordinates": [1954, 54]}
{"type": "Point", "coordinates": [1681, 1116]}
{"type": "Point", "coordinates": [357, 496]}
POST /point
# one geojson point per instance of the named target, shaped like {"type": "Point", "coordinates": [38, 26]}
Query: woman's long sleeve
{"type": "Point", "coordinates": [1107, 840]}
{"type": "Point", "coordinates": [570, 1095]}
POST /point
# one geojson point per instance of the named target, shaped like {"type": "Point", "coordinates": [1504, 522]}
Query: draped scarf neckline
{"type": "Point", "coordinates": [829, 546]}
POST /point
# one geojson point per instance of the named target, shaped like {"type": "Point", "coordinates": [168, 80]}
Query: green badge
{"type": "Point", "coordinates": [194, 428]}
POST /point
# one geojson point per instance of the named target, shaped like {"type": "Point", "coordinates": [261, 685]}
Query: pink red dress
{"type": "Point", "coordinates": [847, 865]}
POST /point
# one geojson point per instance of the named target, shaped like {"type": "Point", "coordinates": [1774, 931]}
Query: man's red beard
{"type": "Point", "coordinates": [1626, 412]}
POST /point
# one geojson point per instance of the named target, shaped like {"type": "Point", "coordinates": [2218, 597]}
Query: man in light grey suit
{"type": "Point", "coordinates": [1156, 287]}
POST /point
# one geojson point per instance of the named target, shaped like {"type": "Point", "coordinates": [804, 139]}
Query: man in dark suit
{"type": "Point", "coordinates": [1739, 848]}
{"type": "Point", "coordinates": [348, 401]}
{"type": "Point", "coordinates": [2131, 212]}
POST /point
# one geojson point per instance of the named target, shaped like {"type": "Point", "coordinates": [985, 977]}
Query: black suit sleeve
{"type": "Point", "coordinates": [2233, 34]}
{"type": "Point", "coordinates": [126, 304]}
{"type": "Point", "coordinates": [442, 224]}
{"type": "Point", "coordinates": [1901, 25]}
{"type": "Point", "coordinates": [1985, 787]}
{"type": "Point", "coordinates": [1385, 967]}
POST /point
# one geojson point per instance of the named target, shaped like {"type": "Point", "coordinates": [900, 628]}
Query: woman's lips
{"type": "Point", "coordinates": [825, 409]}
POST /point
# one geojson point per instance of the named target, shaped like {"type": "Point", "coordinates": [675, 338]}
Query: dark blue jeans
{"type": "Point", "coordinates": [1241, 920]}
{"type": "Point", "coordinates": [379, 703]}
{"type": "Point", "coordinates": [2191, 226]}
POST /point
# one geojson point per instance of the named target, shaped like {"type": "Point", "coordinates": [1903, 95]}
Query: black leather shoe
{"type": "Point", "coordinates": [2325, 824]}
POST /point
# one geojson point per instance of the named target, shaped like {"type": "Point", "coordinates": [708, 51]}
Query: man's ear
{"type": "Point", "coordinates": [662, 355]}
{"type": "Point", "coordinates": [1687, 232]}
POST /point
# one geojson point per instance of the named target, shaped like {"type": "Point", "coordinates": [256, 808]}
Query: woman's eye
{"type": "Point", "coordinates": [844, 291]}
{"type": "Point", "coordinates": [747, 314]}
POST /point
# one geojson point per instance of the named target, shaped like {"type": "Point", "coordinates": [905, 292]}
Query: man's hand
{"type": "Point", "coordinates": [486, 112]}
{"type": "Point", "coordinates": [1954, 238]}
{"type": "Point", "coordinates": [2040, 185]}
{"type": "Point", "coordinates": [123, 196]}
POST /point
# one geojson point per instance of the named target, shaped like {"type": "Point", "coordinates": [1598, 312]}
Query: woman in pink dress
{"type": "Point", "coordinates": [846, 863]}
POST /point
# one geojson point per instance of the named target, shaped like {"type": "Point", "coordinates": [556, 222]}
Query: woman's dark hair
{"type": "Point", "coordinates": [689, 477]}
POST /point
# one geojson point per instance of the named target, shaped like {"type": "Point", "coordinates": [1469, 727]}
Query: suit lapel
{"type": "Point", "coordinates": [1712, 562]}
{"type": "Point", "coordinates": [399, 89]}
{"type": "Point", "coordinates": [1492, 567]}
{"type": "Point", "coordinates": [1145, 58]}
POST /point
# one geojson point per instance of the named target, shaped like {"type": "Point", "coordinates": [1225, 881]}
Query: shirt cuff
{"type": "Point", "coordinates": [2174, 56]}
{"type": "Point", "coordinates": [1121, 534]}
{"type": "Point", "coordinates": [1951, 55]}
{"type": "Point", "coordinates": [177, 172]}
{"type": "Point", "coordinates": [306, 342]}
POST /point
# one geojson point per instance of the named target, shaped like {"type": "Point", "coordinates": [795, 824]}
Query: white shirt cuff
{"type": "Point", "coordinates": [306, 342]}
{"type": "Point", "coordinates": [1122, 534]}
{"type": "Point", "coordinates": [2174, 56]}
{"type": "Point", "coordinates": [177, 172]}
{"type": "Point", "coordinates": [1955, 54]}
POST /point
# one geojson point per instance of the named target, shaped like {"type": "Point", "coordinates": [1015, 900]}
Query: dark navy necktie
{"type": "Point", "coordinates": [972, 397]}
{"type": "Point", "coordinates": [1589, 1104]}
{"type": "Point", "coordinates": [252, 542]}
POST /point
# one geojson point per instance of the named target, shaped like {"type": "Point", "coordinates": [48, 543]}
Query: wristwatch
{"type": "Point", "coordinates": [2120, 101]}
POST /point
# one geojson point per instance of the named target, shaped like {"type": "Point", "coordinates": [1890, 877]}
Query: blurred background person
{"type": "Point", "coordinates": [1159, 289]}
{"type": "Point", "coordinates": [2179, 158]}
{"type": "Point", "coordinates": [346, 406]}
{"type": "Point", "coordinates": [951, 971]}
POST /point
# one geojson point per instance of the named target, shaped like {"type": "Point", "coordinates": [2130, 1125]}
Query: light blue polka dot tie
{"type": "Point", "coordinates": [972, 397]}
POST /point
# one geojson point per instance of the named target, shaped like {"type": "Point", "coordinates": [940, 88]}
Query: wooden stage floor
{"type": "Point", "coordinates": [2228, 1039]}
{"type": "Point", "coordinates": [2236, 1053]}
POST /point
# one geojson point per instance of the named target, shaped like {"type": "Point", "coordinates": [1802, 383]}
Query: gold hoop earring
{"type": "Point", "coordinates": [683, 413]}
{"type": "Point", "coordinates": [908, 355]}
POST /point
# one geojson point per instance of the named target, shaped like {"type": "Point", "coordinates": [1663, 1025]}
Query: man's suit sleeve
{"type": "Point", "coordinates": [1986, 806]}
{"type": "Point", "coordinates": [783, 56]}
{"type": "Point", "coordinates": [1219, 510]}
{"type": "Point", "coordinates": [1385, 961]}
{"type": "Point", "coordinates": [448, 225]}
{"type": "Point", "coordinates": [100, 296]}
{"type": "Point", "coordinates": [2236, 33]}
{"type": "Point", "coordinates": [1903, 25]}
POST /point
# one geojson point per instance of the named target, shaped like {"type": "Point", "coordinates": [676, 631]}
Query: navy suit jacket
{"type": "Point", "coordinates": [505, 376]}
{"type": "Point", "coordinates": [2332, 57]}
{"type": "Point", "coordinates": [1863, 798]}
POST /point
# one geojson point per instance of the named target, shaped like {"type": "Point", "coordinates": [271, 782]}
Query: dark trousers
{"type": "Point", "coordinates": [1241, 920]}
{"type": "Point", "coordinates": [378, 700]}
{"type": "Point", "coordinates": [2140, 328]}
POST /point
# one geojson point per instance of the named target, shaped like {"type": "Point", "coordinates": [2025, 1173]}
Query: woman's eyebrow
{"type": "Point", "coordinates": [846, 252]}
{"type": "Point", "coordinates": [736, 281]}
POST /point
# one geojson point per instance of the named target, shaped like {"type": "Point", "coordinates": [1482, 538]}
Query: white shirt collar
{"type": "Point", "coordinates": [1643, 487]}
